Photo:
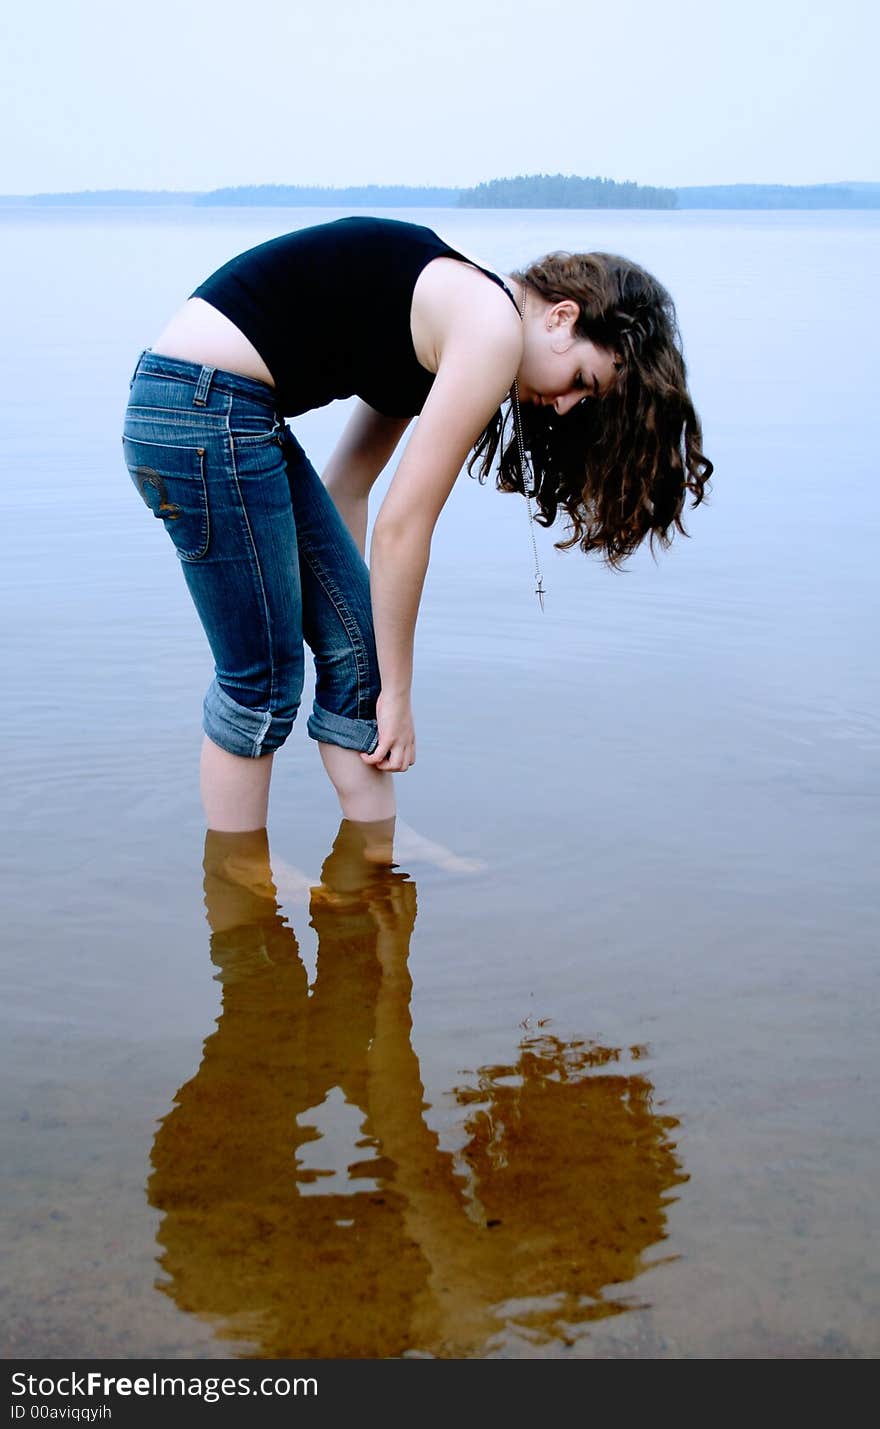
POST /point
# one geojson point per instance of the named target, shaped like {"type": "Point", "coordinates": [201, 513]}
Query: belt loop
{"type": "Point", "coordinates": [206, 377]}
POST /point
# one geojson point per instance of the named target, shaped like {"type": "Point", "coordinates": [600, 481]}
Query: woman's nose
{"type": "Point", "coordinates": [565, 403]}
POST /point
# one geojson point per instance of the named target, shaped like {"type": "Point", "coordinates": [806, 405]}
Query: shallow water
{"type": "Point", "coordinates": [590, 1072]}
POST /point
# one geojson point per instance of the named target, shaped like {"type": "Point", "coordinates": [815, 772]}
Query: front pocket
{"type": "Point", "coordinates": [171, 480]}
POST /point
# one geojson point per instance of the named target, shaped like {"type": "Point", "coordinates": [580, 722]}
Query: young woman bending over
{"type": "Point", "coordinates": [586, 348]}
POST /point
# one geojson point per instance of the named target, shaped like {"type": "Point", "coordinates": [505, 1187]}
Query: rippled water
{"type": "Point", "coordinates": [590, 1071]}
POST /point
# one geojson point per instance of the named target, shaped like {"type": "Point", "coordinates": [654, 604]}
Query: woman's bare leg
{"type": "Point", "coordinates": [235, 790]}
{"type": "Point", "coordinates": [365, 794]}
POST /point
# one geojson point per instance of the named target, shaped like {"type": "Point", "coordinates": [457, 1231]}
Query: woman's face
{"type": "Point", "coordinates": [558, 369]}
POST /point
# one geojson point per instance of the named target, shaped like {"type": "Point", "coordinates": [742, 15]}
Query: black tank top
{"type": "Point", "coordinates": [328, 310]}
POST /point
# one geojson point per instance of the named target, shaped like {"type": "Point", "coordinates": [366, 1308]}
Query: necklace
{"type": "Point", "coordinates": [528, 490]}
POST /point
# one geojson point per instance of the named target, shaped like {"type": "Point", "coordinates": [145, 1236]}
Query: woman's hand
{"type": "Point", "coordinates": [396, 749]}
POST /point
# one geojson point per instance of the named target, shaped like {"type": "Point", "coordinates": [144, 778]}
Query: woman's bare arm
{"type": "Point", "coordinates": [480, 354]}
{"type": "Point", "coordinates": [360, 455]}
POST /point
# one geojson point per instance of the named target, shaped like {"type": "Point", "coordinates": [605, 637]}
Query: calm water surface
{"type": "Point", "coordinates": [590, 1072]}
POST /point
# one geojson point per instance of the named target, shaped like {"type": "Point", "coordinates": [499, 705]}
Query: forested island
{"type": "Point", "coordinates": [525, 191]}
{"type": "Point", "coordinates": [564, 191]}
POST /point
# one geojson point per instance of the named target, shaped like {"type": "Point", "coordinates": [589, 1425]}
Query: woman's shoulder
{"type": "Point", "coordinates": [457, 286]}
{"type": "Point", "coordinates": [457, 307]}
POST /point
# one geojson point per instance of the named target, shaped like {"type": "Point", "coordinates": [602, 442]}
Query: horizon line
{"type": "Point", "coordinates": [458, 188]}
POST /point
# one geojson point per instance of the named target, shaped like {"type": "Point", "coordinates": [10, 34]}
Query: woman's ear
{"type": "Point", "coordinates": [564, 314]}
{"type": "Point", "coordinates": [560, 321]}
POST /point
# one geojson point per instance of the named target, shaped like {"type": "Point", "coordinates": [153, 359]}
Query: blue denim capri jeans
{"type": "Point", "coordinates": [267, 558]}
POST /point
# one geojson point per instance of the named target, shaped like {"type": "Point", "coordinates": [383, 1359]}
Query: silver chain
{"type": "Point", "coordinates": [528, 489]}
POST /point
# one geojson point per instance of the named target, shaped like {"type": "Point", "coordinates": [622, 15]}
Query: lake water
{"type": "Point", "coordinates": [592, 1071]}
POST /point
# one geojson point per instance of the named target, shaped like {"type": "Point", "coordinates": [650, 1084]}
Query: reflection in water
{"type": "Point", "coordinates": [308, 1209]}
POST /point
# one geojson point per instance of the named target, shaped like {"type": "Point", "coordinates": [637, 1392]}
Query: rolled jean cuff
{"type": "Point", "coordinates": [327, 728]}
{"type": "Point", "coordinates": [241, 730]}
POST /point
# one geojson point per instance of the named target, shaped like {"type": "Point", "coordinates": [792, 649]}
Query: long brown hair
{"type": "Point", "coordinates": [621, 468]}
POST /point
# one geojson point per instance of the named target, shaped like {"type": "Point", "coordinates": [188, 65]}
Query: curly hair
{"type": "Point", "coordinates": [621, 468]}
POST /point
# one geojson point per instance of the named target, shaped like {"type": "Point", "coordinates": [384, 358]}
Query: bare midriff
{"type": "Point", "coordinates": [199, 333]}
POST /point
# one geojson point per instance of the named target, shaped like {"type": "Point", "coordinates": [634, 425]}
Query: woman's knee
{"type": "Point", "coordinates": [249, 729]}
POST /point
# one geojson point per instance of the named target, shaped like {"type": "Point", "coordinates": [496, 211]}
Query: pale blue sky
{"type": "Point", "coordinates": [175, 94]}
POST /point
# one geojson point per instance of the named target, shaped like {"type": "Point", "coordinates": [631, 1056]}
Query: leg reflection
{"type": "Point", "coordinates": [248, 1236]}
{"type": "Point", "coordinates": [307, 1207]}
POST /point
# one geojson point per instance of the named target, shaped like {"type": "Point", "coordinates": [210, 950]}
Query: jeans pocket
{"type": "Point", "coordinates": [171, 480]}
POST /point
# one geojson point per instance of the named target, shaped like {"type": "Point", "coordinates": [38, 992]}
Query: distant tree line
{"type": "Point", "coordinates": [305, 196]}
{"type": "Point", "coordinates": [781, 196]}
{"type": "Point", "coordinates": [564, 191]}
{"type": "Point", "coordinates": [559, 191]}
{"type": "Point", "coordinates": [122, 197]}
{"type": "Point", "coordinates": [525, 191]}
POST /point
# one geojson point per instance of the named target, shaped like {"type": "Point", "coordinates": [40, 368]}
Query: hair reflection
{"type": "Point", "coordinates": [296, 1242]}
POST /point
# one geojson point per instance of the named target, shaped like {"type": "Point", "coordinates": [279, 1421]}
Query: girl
{"type": "Point", "coordinates": [586, 347]}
